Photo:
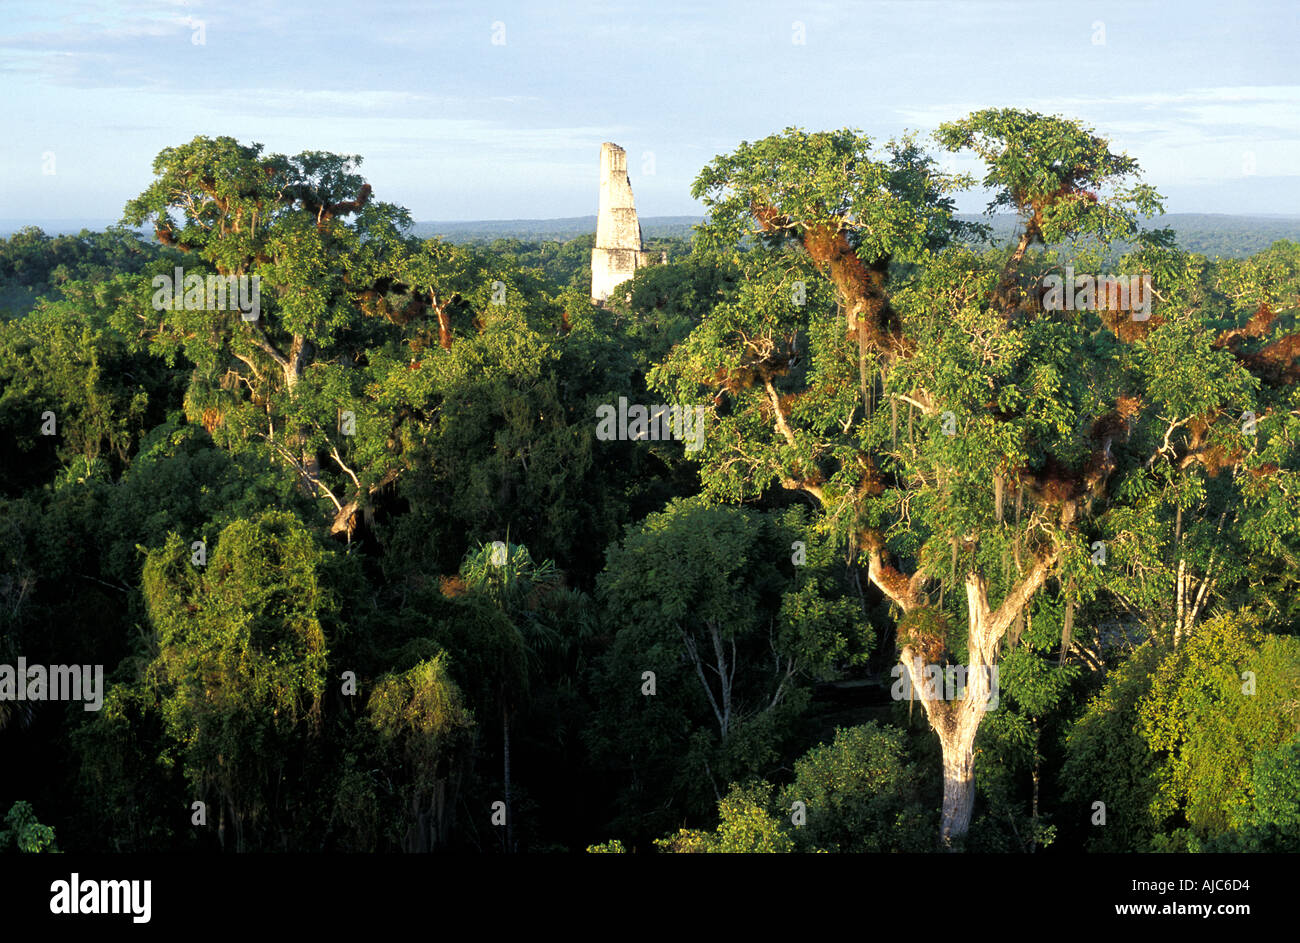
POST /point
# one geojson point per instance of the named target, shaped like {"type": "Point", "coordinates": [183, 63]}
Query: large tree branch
{"type": "Point", "coordinates": [792, 665]}
{"type": "Point", "coordinates": [1007, 280]}
{"type": "Point", "coordinates": [313, 481]}
{"type": "Point", "coordinates": [334, 452]}
{"type": "Point", "coordinates": [251, 365]}
{"type": "Point", "coordinates": [938, 712]}
{"type": "Point", "coordinates": [259, 338]}
{"type": "Point", "coordinates": [925, 409]}
{"type": "Point", "coordinates": [903, 590]}
{"type": "Point", "coordinates": [1012, 604]}
{"type": "Point", "coordinates": [344, 520]}
{"type": "Point", "coordinates": [782, 426]}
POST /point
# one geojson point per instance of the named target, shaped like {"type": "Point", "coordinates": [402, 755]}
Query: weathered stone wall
{"type": "Point", "coordinates": [620, 249]}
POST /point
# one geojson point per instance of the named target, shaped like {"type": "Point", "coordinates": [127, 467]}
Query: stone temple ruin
{"type": "Point", "coordinates": [620, 249]}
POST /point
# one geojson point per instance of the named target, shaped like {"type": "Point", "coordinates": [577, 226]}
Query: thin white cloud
{"type": "Point", "coordinates": [1192, 137]}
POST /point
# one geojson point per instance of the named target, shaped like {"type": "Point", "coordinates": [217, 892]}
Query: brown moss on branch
{"type": "Point", "coordinates": [761, 362]}
{"type": "Point", "coordinates": [1276, 363]}
{"type": "Point", "coordinates": [861, 285]}
{"type": "Point", "coordinates": [1058, 485]}
{"type": "Point", "coordinates": [924, 631]}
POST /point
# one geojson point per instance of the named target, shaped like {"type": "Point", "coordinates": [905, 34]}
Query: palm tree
{"type": "Point", "coordinates": [526, 592]}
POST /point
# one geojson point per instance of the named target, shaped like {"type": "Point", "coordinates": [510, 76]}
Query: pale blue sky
{"type": "Point", "coordinates": [454, 126]}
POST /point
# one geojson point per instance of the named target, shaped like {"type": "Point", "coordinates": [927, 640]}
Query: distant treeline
{"type": "Point", "coordinates": [1229, 237]}
{"type": "Point", "coordinates": [1210, 234]}
{"type": "Point", "coordinates": [562, 230]}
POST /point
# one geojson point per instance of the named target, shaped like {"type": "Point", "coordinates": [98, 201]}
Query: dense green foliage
{"type": "Point", "coordinates": [1195, 746]}
{"type": "Point", "coordinates": [363, 576]}
{"type": "Point", "coordinates": [23, 833]}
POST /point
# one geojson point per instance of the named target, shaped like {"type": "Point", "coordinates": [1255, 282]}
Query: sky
{"type": "Point", "coordinates": [497, 110]}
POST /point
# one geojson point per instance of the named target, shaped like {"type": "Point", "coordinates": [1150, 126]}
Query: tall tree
{"type": "Point", "coordinates": [957, 436]}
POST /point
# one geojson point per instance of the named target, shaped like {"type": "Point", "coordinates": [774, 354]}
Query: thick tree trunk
{"type": "Point", "coordinates": [957, 721]}
{"type": "Point", "coordinates": [300, 355]}
{"type": "Point", "coordinates": [1006, 289]}
{"type": "Point", "coordinates": [958, 782]}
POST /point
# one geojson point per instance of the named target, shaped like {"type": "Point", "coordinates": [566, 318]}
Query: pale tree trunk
{"type": "Point", "coordinates": [1178, 605]}
{"type": "Point", "coordinates": [726, 674]}
{"type": "Point", "coordinates": [300, 354]}
{"type": "Point", "coordinates": [959, 772]}
{"type": "Point", "coordinates": [957, 722]}
{"type": "Point", "coordinates": [437, 813]}
{"type": "Point", "coordinates": [1190, 598]}
{"type": "Point", "coordinates": [293, 365]}
{"type": "Point", "coordinates": [1067, 628]}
